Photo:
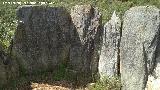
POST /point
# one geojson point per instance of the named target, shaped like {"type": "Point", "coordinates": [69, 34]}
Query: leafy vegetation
{"type": "Point", "coordinates": [108, 83]}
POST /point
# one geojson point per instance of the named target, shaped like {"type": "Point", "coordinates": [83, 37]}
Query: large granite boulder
{"type": "Point", "coordinates": [109, 55]}
{"type": "Point", "coordinates": [42, 39]}
{"type": "Point", "coordinates": [85, 39]}
{"type": "Point", "coordinates": [139, 43]}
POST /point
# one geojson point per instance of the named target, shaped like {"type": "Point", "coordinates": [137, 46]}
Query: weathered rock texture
{"type": "Point", "coordinates": [48, 36]}
{"type": "Point", "coordinates": [85, 40]}
{"type": "Point", "coordinates": [3, 76]}
{"type": "Point", "coordinates": [41, 40]}
{"type": "Point", "coordinates": [153, 83]}
{"type": "Point", "coordinates": [8, 68]}
{"type": "Point", "coordinates": [109, 59]}
{"type": "Point", "coordinates": [139, 42]}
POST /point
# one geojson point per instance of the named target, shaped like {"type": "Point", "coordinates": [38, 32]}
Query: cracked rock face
{"type": "Point", "coordinates": [86, 38]}
{"type": "Point", "coordinates": [139, 45]}
{"type": "Point", "coordinates": [109, 59]}
{"type": "Point", "coordinates": [41, 40]}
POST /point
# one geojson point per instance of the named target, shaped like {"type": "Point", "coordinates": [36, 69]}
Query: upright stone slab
{"type": "Point", "coordinates": [41, 40]}
{"type": "Point", "coordinates": [139, 42]}
{"type": "Point", "coordinates": [109, 59]}
{"type": "Point", "coordinates": [85, 39]}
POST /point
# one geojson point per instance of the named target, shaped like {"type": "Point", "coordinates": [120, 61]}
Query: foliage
{"type": "Point", "coordinates": [112, 83]}
{"type": "Point", "coordinates": [7, 23]}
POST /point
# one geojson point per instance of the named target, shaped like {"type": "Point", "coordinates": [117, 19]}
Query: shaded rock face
{"type": "Point", "coordinates": [85, 40]}
{"type": "Point", "coordinates": [109, 59]}
{"type": "Point", "coordinates": [3, 72]}
{"type": "Point", "coordinates": [139, 45]}
{"type": "Point", "coordinates": [8, 68]}
{"type": "Point", "coordinates": [42, 38]}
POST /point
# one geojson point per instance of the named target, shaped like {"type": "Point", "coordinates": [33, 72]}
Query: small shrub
{"type": "Point", "coordinates": [109, 83]}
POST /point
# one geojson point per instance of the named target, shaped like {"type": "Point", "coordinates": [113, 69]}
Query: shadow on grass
{"type": "Point", "coordinates": [59, 80]}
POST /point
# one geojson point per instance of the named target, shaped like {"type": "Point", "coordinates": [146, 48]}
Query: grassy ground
{"type": "Point", "coordinates": [62, 79]}
{"type": "Point", "coordinates": [43, 81]}
{"type": "Point", "coordinates": [49, 81]}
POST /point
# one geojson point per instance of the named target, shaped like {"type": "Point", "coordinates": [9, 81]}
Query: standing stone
{"type": "Point", "coordinates": [109, 59]}
{"type": "Point", "coordinates": [139, 40]}
{"type": "Point", "coordinates": [85, 39]}
{"type": "Point", "coordinates": [41, 40]}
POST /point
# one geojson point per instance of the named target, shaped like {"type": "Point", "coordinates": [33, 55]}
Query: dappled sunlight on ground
{"type": "Point", "coordinates": [37, 86]}
{"type": "Point", "coordinates": [43, 81]}
{"type": "Point", "coordinates": [58, 85]}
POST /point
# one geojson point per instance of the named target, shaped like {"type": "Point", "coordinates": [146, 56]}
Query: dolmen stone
{"type": "Point", "coordinates": [139, 46]}
{"type": "Point", "coordinates": [41, 41]}
{"type": "Point", "coordinates": [109, 55]}
{"type": "Point", "coordinates": [85, 39]}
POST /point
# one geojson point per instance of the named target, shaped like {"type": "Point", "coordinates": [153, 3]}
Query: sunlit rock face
{"type": "Point", "coordinates": [153, 83]}
{"type": "Point", "coordinates": [42, 39]}
{"type": "Point", "coordinates": [109, 54]}
{"type": "Point", "coordinates": [86, 38]}
{"type": "Point", "coordinates": [139, 46]}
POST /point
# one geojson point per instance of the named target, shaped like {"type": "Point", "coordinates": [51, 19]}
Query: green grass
{"type": "Point", "coordinates": [112, 83]}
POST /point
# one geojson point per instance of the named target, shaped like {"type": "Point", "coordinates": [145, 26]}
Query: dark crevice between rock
{"type": "Point", "coordinates": [145, 66]}
{"type": "Point", "coordinates": [118, 53]}
{"type": "Point", "coordinates": [156, 53]}
{"type": "Point", "coordinates": [152, 64]}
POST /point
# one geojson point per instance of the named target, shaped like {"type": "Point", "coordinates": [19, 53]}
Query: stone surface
{"type": "Point", "coordinates": [139, 40]}
{"type": "Point", "coordinates": [41, 40]}
{"type": "Point", "coordinates": [3, 73]}
{"type": "Point", "coordinates": [109, 59]}
{"type": "Point", "coordinates": [8, 67]}
{"type": "Point", "coordinates": [152, 83]}
{"type": "Point", "coordinates": [85, 39]}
